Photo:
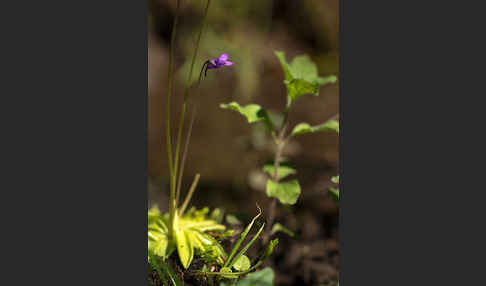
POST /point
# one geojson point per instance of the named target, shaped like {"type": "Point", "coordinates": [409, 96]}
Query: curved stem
{"type": "Point", "coordinates": [204, 69]}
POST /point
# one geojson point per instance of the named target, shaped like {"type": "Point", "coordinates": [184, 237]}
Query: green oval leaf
{"type": "Point", "coordinates": [242, 264]}
{"type": "Point", "coordinates": [252, 112]}
{"type": "Point", "coordinates": [286, 193]}
{"type": "Point", "coordinates": [303, 128]}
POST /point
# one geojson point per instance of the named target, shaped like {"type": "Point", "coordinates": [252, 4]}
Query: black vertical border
{"type": "Point", "coordinates": [412, 205]}
{"type": "Point", "coordinates": [74, 98]}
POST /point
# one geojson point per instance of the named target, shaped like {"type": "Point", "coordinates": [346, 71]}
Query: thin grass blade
{"type": "Point", "coordinates": [243, 251]}
{"type": "Point", "coordinates": [242, 238]}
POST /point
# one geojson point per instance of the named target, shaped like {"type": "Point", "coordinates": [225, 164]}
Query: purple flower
{"type": "Point", "coordinates": [219, 62]}
{"type": "Point", "coordinates": [214, 64]}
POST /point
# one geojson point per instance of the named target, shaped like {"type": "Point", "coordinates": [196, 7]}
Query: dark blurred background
{"type": "Point", "coordinates": [226, 150]}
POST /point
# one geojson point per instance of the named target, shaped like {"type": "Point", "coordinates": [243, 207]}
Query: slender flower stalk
{"type": "Point", "coordinates": [184, 104]}
{"type": "Point", "coordinates": [184, 157]}
{"type": "Point", "coordinates": [188, 83]}
{"type": "Point", "coordinates": [173, 159]}
{"type": "Point", "coordinates": [175, 170]}
{"type": "Point", "coordinates": [172, 203]}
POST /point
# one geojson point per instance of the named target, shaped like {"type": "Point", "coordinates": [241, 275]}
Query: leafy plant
{"type": "Point", "coordinates": [237, 263]}
{"type": "Point", "coordinates": [301, 78]}
{"type": "Point", "coordinates": [185, 233]}
{"type": "Point", "coordinates": [191, 239]}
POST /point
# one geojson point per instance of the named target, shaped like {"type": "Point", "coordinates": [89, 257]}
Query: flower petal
{"type": "Point", "coordinates": [228, 63]}
{"type": "Point", "coordinates": [223, 57]}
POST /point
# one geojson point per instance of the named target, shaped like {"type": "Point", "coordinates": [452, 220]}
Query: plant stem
{"type": "Point", "coordinates": [270, 219]}
{"type": "Point", "coordinates": [176, 161]}
{"type": "Point", "coordinates": [273, 203]}
{"type": "Point", "coordinates": [172, 205]}
{"type": "Point", "coordinates": [281, 141]}
{"type": "Point", "coordinates": [196, 49]}
{"type": "Point", "coordinates": [184, 155]}
{"type": "Point", "coordinates": [184, 104]}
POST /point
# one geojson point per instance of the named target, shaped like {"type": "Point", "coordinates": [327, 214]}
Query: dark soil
{"type": "Point", "coordinates": [310, 258]}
